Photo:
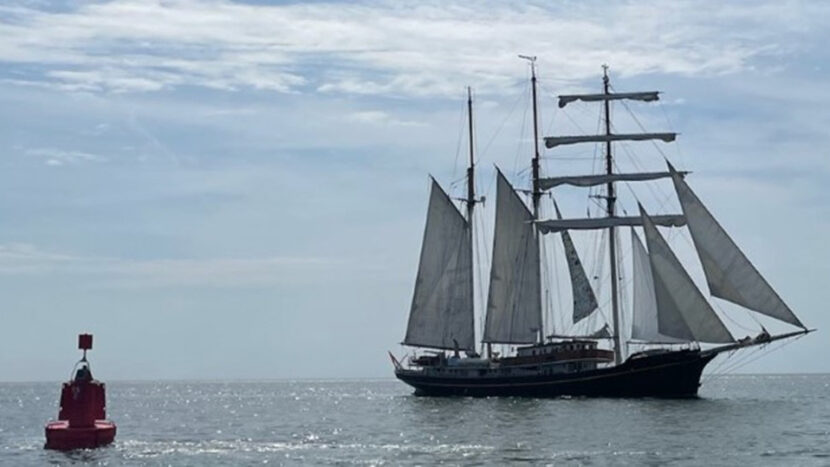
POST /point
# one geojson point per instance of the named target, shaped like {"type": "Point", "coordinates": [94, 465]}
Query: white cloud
{"type": "Point", "coordinates": [28, 252]}
{"type": "Point", "coordinates": [59, 157]}
{"type": "Point", "coordinates": [424, 48]}
{"type": "Point", "coordinates": [24, 258]}
{"type": "Point", "coordinates": [379, 117]}
{"type": "Point", "coordinates": [106, 79]}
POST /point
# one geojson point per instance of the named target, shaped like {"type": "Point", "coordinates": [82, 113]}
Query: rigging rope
{"type": "Point", "coordinates": [519, 98]}
{"type": "Point", "coordinates": [677, 146]}
{"type": "Point", "coordinates": [762, 351]}
{"type": "Point", "coordinates": [521, 137]}
{"type": "Point", "coordinates": [461, 120]}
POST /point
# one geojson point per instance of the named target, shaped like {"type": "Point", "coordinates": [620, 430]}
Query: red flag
{"type": "Point", "coordinates": [395, 361]}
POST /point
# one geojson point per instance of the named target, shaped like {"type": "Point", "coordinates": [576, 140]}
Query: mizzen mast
{"type": "Point", "coordinates": [471, 200]}
{"type": "Point", "coordinates": [442, 315]}
{"type": "Point", "coordinates": [471, 187]}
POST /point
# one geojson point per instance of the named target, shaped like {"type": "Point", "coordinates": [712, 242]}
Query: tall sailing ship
{"type": "Point", "coordinates": [672, 323]}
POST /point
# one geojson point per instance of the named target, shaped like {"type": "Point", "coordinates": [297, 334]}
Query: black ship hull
{"type": "Point", "coordinates": [674, 374]}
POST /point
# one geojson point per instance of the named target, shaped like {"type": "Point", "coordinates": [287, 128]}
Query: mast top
{"type": "Point", "coordinates": [532, 60]}
{"type": "Point", "coordinates": [605, 97]}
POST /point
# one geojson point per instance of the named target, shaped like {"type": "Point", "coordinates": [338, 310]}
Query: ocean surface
{"type": "Point", "coordinates": [738, 420]}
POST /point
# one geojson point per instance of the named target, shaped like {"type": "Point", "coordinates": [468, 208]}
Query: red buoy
{"type": "Point", "coordinates": [82, 422]}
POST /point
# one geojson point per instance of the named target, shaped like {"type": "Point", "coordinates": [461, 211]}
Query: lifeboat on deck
{"type": "Point", "coordinates": [82, 419]}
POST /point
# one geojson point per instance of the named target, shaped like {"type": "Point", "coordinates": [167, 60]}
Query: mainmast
{"type": "Point", "coordinates": [537, 194]}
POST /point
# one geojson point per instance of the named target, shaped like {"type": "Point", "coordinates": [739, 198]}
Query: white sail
{"type": "Point", "coordinates": [514, 305]}
{"type": "Point", "coordinates": [729, 273]}
{"type": "Point", "coordinates": [644, 324]}
{"type": "Point", "coordinates": [683, 312]}
{"type": "Point", "coordinates": [442, 306]}
{"type": "Point", "coordinates": [584, 299]}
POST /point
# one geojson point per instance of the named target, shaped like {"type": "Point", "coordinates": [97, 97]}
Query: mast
{"type": "Point", "coordinates": [609, 178]}
{"type": "Point", "coordinates": [537, 193]}
{"type": "Point", "coordinates": [612, 231]}
{"type": "Point", "coordinates": [471, 193]}
{"type": "Point", "coordinates": [442, 315]}
{"type": "Point", "coordinates": [471, 200]}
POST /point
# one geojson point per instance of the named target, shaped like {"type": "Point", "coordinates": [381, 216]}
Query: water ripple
{"type": "Point", "coordinates": [752, 420]}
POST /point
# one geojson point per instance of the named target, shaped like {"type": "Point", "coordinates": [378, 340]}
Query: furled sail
{"type": "Point", "coordinates": [729, 273]}
{"type": "Point", "coordinates": [442, 306]}
{"type": "Point", "coordinates": [600, 179]}
{"type": "Point", "coordinates": [514, 303]}
{"type": "Point", "coordinates": [553, 141]}
{"type": "Point", "coordinates": [584, 300]}
{"type": "Point", "coordinates": [683, 312]}
{"type": "Point", "coordinates": [558, 225]}
{"type": "Point", "coordinates": [646, 96]}
{"type": "Point", "coordinates": [645, 318]}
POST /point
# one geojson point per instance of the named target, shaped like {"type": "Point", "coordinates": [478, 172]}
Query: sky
{"type": "Point", "coordinates": [219, 189]}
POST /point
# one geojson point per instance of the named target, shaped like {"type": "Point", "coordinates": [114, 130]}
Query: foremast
{"type": "Point", "coordinates": [611, 199]}
{"type": "Point", "coordinates": [610, 178]}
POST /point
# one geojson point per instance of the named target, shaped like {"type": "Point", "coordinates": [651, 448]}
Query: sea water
{"type": "Point", "coordinates": [738, 420]}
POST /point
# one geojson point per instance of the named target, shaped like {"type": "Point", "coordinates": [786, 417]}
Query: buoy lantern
{"type": "Point", "coordinates": [82, 419]}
